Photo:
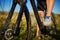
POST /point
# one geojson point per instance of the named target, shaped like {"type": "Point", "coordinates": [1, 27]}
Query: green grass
{"type": "Point", "coordinates": [23, 26]}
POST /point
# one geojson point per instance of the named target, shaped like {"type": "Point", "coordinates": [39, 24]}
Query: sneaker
{"type": "Point", "coordinates": [47, 21]}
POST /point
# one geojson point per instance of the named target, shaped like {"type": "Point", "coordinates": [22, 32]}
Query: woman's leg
{"type": "Point", "coordinates": [50, 4]}
{"type": "Point", "coordinates": [41, 13]}
{"type": "Point", "coordinates": [37, 30]}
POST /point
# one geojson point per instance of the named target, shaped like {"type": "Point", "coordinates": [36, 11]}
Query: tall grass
{"type": "Point", "coordinates": [23, 24]}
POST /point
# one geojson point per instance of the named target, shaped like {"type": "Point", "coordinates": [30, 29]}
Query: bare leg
{"type": "Point", "coordinates": [37, 31]}
{"type": "Point", "coordinates": [50, 4]}
{"type": "Point", "coordinates": [41, 13]}
{"type": "Point", "coordinates": [48, 21]}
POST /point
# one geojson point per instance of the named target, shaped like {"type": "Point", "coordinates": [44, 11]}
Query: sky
{"type": "Point", "coordinates": [5, 5]}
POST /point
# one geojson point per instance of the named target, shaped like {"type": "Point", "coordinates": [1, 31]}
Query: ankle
{"type": "Point", "coordinates": [48, 15]}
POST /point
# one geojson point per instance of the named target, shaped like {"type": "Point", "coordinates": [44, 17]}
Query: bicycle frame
{"type": "Point", "coordinates": [27, 15]}
{"type": "Point", "coordinates": [40, 24]}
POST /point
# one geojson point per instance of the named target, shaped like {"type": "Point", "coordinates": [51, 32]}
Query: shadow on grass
{"type": "Point", "coordinates": [57, 36]}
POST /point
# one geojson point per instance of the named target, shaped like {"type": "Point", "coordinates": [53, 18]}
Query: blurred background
{"type": "Point", "coordinates": [5, 6]}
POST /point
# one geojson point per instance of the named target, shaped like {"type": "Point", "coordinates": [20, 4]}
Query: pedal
{"type": "Point", "coordinates": [3, 31]}
{"type": "Point", "coordinates": [16, 31]}
{"type": "Point", "coordinates": [8, 34]}
{"type": "Point", "coordinates": [44, 31]}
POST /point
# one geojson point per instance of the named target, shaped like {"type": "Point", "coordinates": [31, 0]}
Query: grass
{"type": "Point", "coordinates": [22, 36]}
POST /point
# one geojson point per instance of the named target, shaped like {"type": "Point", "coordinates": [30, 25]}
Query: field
{"type": "Point", "coordinates": [22, 36]}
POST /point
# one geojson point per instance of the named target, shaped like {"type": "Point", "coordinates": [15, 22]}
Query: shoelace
{"type": "Point", "coordinates": [47, 18]}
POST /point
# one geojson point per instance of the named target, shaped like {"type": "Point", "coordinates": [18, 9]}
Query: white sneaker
{"type": "Point", "coordinates": [47, 21]}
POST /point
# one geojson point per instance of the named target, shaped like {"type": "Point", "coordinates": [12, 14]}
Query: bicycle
{"type": "Point", "coordinates": [15, 29]}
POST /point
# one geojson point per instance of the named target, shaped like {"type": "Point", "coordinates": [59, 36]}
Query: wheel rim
{"type": "Point", "coordinates": [8, 34]}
